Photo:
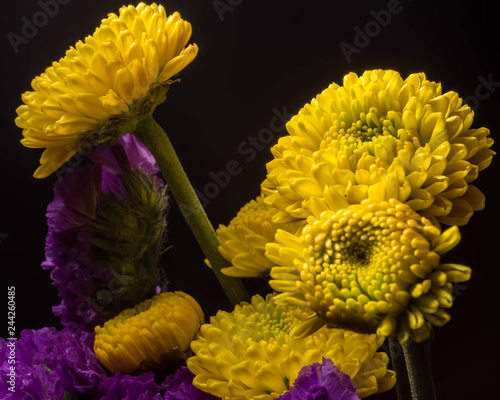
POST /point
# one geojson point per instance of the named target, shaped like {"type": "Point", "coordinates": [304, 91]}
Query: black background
{"type": "Point", "coordinates": [256, 56]}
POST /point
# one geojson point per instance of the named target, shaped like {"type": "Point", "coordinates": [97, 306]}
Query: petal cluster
{"type": "Point", "coordinates": [373, 267]}
{"type": "Point", "coordinates": [250, 353]}
{"type": "Point", "coordinates": [92, 94]}
{"type": "Point", "coordinates": [148, 332]}
{"type": "Point", "coordinates": [380, 136]}
{"type": "Point", "coordinates": [244, 240]}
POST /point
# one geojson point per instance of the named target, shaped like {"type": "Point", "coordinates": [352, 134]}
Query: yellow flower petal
{"type": "Point", "coordinates": [146, 332]}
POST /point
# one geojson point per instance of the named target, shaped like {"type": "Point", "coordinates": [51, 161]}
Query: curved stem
{"type": "Point", "coordinates": [158, 143]}
{"type": "Point", "coordinates": [418, 364]}
{"type": "Point", "coordinates": [398, 364]}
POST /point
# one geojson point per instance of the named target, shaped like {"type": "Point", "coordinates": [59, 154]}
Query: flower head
{"type": "Point", "coordinates": [250, 354]}
{"type": "Point", "coordinates": [380, 136]}
{"type": "Point", "coordinates": [244, 240]}
{"type": "Point", "coordinates": [146, 334]}
{"type": "Point", "coordinates": [49, 363]}
{"type": "Point", "coordinates": [106, 231]}
{"type": "Point", "coordinates": [372, 267]}
{"type": "Point", "coordinates": [322, 381]}
{"type": "Point", "coordinates": [95, 92]}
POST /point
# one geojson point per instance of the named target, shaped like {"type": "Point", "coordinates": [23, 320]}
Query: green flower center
{"type": "Point", "coordinates": [362, 127]}
{"type": "Point", "coordinates": [355, 134]}
{"type": "Point", "coordinates": [272, 322]}
{"type": "Point", "coordinates": [354, 256]}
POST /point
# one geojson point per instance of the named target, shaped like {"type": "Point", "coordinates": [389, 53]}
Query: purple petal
{"type": "Point", "coordinates": [322, 381]}
{"type": "Point", "coordinates": [180, 387]}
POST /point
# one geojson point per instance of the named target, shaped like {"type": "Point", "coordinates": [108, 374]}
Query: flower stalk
{"type": "Point", "coordinates": [398, 365]}
{"type": "Point", "coordinates": [418, 364]}
{"type": "Point", "coordinates": [157, 141]}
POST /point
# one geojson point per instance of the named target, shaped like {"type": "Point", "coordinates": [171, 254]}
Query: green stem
{"type": "Point", "coordinates": [418, 364]}
{"type": "Point", "coordinates": [398, 365]}
{"type": "Point", "coordinates": [157, 141]}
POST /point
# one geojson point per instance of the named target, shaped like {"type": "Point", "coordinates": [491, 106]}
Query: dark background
{"type": "Point", "coordinates": [256, 56]}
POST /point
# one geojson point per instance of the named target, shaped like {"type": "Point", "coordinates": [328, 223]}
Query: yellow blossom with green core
{"type": "Point", "coordinates": [373, 267]}
{"type": "Point", "coordinates": [380, 136]}
{"type": "Point", "coordinates": [147, 333]}
{"type": "Point", "coordinates": [95, 92]}
{"type": "Point", "coordinates": [249, 354]}
{"type": "Point", "coordinates": [243, 241]}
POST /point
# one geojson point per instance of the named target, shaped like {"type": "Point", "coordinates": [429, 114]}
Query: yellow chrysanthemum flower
{"type": "Point", "coordinates": [243, 242]}
{"type": "Point", "coordinates": [372, 267]}
{"type": "Point", "coordinates": [95, 91]}
{"type": "Point", "coordinates": [148, 332]}
{"type": "Point", "coordinates": [380, 136]}
{"type": "Point", "coordinates": [248, 354]}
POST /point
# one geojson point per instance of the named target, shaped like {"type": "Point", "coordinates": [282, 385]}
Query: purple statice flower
{"type": "Point", "coordinates": [49, 363]}
{"type": "Point", "coordinates": [180, 387]}
{"type": "Point", "coordinates": [68, 247]}
{"type": "Point", "coordinates": [322, 381]}
{"type": "Point", "coordinates": [105, 233]}
{"type": "Point", "coordinates": [128, 387]}
{"type": "Point", "coordinates": [28, 382]}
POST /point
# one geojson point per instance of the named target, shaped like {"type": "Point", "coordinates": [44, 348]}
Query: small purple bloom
{"type": "Point", "coordinates": [50, 362]}
{"type": "Point", "coordinates": [138, 155]}
{"type": "Point", "coordinates": [322, 381]}
{"type": "Point", "coordinates": [180, 387]}
{"type": "Point", "coordinates": [127, 387]}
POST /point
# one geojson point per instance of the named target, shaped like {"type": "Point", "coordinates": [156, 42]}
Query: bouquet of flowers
{"type": "Point", "coordinates": [363, 197]}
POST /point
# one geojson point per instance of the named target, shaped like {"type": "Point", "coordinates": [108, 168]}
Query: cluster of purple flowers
{"type": "Point", "coordinates": [52, 364]}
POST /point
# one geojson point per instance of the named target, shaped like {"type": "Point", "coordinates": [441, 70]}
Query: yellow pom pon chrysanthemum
{"type": "Point", "coordinates": [93, 93]}
{"type": "Point", "coordinates": [371, 267]}
{"type": "Point", "coordinates": [243, 242]}
{"type": "Point", "coordinates": [148, 332]}
{"type": "Point", "coordinates": [249, 355]}
{"type": "Point", "coordinates": [380, 136]}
